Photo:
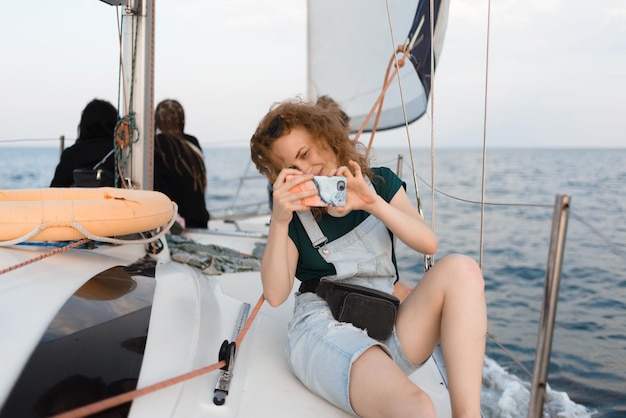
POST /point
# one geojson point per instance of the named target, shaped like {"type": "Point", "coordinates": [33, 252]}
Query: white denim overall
{"type": "Point", "coordinates": [320, 349]}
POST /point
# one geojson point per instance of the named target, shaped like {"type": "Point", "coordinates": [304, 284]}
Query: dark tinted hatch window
{"type": "Point", "coordinates": [92, 349]}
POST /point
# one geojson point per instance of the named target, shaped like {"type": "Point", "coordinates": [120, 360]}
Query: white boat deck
{"type": "Point", "coordinates": [192, 315]}
{"type": "Point", "coordinates": [261, 362]}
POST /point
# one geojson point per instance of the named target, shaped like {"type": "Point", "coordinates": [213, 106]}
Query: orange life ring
{"type": "Point", "coordinates": [60, 214]}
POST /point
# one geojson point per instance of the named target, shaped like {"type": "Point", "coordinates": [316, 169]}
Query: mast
{"type": "Point", "coordinates": [137, 54]}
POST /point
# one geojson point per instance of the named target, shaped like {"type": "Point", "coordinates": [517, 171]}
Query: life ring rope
{"type": "Point", "coordinates": [110, 240]}
{"type": "Point", "coordinates": [89, 236]}
{"type": "Point", "coordinates": [67, 214]}
{"type": "Point", "coordinates": [77, 226]}
{"type": "Point", "coordinates": [24, 237]}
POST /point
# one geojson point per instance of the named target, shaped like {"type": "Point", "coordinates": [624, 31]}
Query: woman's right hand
{"type": "Point", "coordinates": [285, 199]}
{"type": "Point", "coordinates": [278, 266]}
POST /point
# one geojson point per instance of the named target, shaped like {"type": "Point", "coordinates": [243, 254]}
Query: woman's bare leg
{"type": "Point", "coordinates": [379, 388]}
{"type": "Point", "coordinates": [448, 305]}
{"type": "Point", "coordinates": [401, 291]}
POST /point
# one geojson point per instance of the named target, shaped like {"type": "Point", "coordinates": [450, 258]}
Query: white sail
{"type": "Point", "coordinates": [350, 44]}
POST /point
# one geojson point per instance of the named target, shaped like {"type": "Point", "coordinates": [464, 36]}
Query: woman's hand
{"type": "Point", "coordinates": [285, 199]}
{"type": "Point", "coordinates": [278, 266]}
{"type": "Point", "coordinates": [359, 194]}
{"type": "Point", "coordinates": [399, 215]}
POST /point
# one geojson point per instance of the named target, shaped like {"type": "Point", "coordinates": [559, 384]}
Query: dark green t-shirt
{"type": "Point", "coordinates": [310, 264]}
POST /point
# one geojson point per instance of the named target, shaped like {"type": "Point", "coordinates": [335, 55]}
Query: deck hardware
{"type": "Point", "coordinates": [227, 354]}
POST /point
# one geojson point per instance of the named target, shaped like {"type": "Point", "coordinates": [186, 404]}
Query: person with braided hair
{"type": "Point", "coordinates": [179, 170]}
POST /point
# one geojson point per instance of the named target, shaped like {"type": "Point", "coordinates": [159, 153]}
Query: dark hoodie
{"type": "Point", "coordinates": [95, 141]}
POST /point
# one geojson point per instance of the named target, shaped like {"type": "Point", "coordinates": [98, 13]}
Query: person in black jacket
{"type": "Point", "coordinates": [94, 142]}
{"type": "Point", "coordinates": [179, 170]}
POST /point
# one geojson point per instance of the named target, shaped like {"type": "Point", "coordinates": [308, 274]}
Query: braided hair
{"type": "Point", "coordinates": [170, 120]}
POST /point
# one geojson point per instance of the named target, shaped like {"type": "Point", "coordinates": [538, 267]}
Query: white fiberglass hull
{"type": "Point", "coordinates": [192, 314]}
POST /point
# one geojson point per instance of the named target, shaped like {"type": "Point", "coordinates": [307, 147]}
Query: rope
{"type": "Point", "coordinates": [379, 100]}
{"type": "Point", "coordinates": [24, 237]}
{"type": "Point", "coordinates": [126, 131]}
{"type": "Point", "coordinates": [405, 50]}
{"type": "Point", "coordinates": [120, 241]}
{"type": "Point", "coordinates": [119, 172]}
{"type": "Point", "coordinates": [253, 315]}
{"type": "Point", "coordinates": [114, 401]}
{"type": "Point", "coordinates": [484, 164]}
{"type": "Point", "coordinates": [77, 226]}
{"type": "Point", "coordinates": [121, 84]}
{"type": "Point", "coordinates": [381, 97]}
{"type": "Point", "coordinates": [429, 259]}
{"type": "Point", "coordinates": [42, 256]}
{"type": "Point", "coordinates": [510, 354]}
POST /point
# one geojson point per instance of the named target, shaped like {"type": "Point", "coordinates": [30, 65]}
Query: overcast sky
{"type": "Point", "coordinates": [557, 69]}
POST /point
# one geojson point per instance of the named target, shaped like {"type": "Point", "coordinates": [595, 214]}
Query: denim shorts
{"type": "Point", "coordinates": [321, 350]}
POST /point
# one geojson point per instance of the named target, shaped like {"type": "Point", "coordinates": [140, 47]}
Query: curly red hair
{"type": "Point", "coordinates": [326, 124]}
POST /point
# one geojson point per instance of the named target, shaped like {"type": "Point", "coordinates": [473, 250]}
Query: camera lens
{"type": "Point", "coordinates": [341, 185]}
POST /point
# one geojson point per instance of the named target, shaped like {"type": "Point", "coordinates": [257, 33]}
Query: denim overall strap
{"type": "Point", "coordinates": [313, 230]}
{"type": "Point", "coordinates": [362, 256]}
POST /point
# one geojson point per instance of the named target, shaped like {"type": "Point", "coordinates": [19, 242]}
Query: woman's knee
{"type": "Point", "coordinates": [462, 267]}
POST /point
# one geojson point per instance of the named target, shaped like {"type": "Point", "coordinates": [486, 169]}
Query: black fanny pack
{"type": "Point", "coordinates": [368, 309]}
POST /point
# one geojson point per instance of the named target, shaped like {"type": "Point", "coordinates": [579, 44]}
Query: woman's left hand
{"type": "Point", "coordinates": [359, 195]}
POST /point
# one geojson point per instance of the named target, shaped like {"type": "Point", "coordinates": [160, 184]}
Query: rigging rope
{"type": "Point", "coordinates": [484, 165]}
{"type": "Point", "coordinates": [126, 130]}
{"type": "Point", "coordinates": [378, 105]}
{"type": "Point", "coordinates": [122, 128]}
{"type": "Point", "coordinates": [429, 259]}
{"type": "Point", "coordinates": [42, 256]}
{"type": "Point", "coordinates": [432, 121]}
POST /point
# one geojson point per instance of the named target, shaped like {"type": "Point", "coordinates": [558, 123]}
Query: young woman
{"type": "Point", "coordinates": [336, 360]}
{"type": "Point", "coordinates": [179, 170]}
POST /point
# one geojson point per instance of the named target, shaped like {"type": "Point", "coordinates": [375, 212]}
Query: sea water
{"type": "Point", "coordinates": [587, 372]}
